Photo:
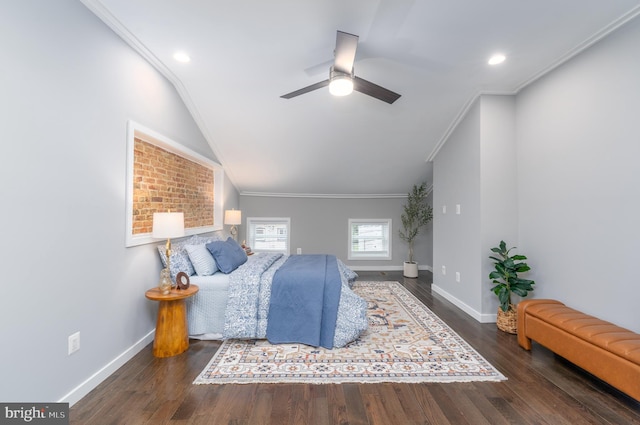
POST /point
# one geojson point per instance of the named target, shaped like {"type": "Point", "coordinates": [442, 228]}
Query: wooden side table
{"type": "Point", "coordinates": [172, 337]}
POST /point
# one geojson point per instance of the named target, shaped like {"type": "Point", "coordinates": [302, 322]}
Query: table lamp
{"type": "Point", "coordinates": [233, 217]}
{"type": "Point", "coordinates": [167, 225]}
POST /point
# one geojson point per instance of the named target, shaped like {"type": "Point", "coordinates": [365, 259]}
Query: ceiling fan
{"type": "Point", "coordinates": [342, 80]}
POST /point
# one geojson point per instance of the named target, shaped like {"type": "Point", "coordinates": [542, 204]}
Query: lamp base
{"type": "Point", "coordinates": [165, 281]}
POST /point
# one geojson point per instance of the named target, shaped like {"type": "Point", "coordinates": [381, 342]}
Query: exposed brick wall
{"type": "Point", "coordinates": [165, 181]}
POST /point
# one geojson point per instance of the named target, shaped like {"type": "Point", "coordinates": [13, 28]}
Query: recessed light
{"type": "Point", "coordinates": [497, 59]}
{"type": "Point", "coordinates": [181, 57]}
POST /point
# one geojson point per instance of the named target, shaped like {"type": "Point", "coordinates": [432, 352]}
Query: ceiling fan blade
{"type": "Point", "coordinates": [374, 90]}
{"type": "Point", "coordinates": [307, 89]}
{"type": "Point", "coordinates": [345, 53]}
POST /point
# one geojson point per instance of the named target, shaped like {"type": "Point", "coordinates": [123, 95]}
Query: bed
{"type": "Point", "coordinates": [260, 296]}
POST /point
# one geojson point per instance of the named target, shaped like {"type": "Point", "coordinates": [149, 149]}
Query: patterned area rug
{"type": "Point", "coordinates": [405, 342]}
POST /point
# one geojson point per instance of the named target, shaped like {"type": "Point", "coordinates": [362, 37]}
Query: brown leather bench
{"type": "Point", "coordinates": [605, 350]}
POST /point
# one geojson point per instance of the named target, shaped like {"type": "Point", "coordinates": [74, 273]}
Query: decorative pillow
{"type": "Point", "coordinates": [219, 235]}
{"type": "Point", "coordinates": [201, 258]}
{"type": "Point", "coordinates": [228, 254]}
{"type": "Point", "coordinates": [179, 258]}
{"type": "Point", "coordinates": [204, 239]}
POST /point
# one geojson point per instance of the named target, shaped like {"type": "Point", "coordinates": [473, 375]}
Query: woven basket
{"type": "Point", "coordinates": [508, 321]}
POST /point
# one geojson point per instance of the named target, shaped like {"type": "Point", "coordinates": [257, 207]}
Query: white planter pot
{"type": "Point", "coordinates": [410, 269]}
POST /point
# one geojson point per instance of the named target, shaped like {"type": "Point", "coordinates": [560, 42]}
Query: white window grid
{"type": "Point", "coordinates": [370, 239]}
{"type": "Point", "coordinates": [269, 234]}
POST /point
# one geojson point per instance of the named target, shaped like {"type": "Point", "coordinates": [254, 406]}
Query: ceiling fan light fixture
{"type": "Point", "coordinates": [340, 83]}
{"type": "Point", "coordinates": [342, 80]}
{"type": "Point", "coordinates": [341, 86]}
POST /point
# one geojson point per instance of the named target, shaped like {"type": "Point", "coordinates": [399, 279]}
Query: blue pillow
{"type": "Point", "coordinates": [228, 254]}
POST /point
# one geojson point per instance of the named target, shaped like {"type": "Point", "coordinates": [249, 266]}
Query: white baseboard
{"type": "Point", "coordinates": [480, 317]}
{"type": "Point", "coordinates": [94, 380]}
{"type": "Point", "coordinates": [385, 268]}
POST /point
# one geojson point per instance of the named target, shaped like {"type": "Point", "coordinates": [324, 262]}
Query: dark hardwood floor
{"type": "Point", "coordinates": [542, 388]}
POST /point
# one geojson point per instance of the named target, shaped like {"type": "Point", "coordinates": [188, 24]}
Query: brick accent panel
{"type": "Point", "coordinates": [165, 181]}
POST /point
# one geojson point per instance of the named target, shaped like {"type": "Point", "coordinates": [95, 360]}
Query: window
{"type": "Point", "coordinates": [268, 234]}
{"type": "Point", "coordinates": [369, 239]}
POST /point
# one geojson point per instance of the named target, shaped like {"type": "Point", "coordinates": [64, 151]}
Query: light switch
{"type": "Point", "coordinates": [458, 209]}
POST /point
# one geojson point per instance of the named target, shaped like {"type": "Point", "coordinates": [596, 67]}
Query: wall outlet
{"type": "Point", "coordinates": [444, 209]}
{"type": "Point", "coordinates": [74, 343]}
{"type": "Point", "coordinates": [458, 277]}
{"type": "Point", "coordinates": [444, 270]}
{"type": "Point", "coordinates": [458, 209]}
{"type": "Point", "coordinates": [299, 251]}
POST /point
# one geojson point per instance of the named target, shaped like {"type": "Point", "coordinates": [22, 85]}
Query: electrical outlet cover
{"type": "Point", "coordinates": [74, 342]}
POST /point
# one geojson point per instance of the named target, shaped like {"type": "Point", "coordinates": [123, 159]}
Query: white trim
{"type": "Point", "coordinates": [331, 195]}
{"type": "Point", "coordinates": [367, 268]}
{"type": "Point", "coordinates": [480, 317]}
{"type": "Point", "coordinates": [452, 127]}
{"type": "Point", "coordinates": [144, 133]}
{"type": "Point", "coordinates": [107, 370]}
{"type": "Point", "coordinates": [104, 14]}
{"type": "Point", "coordinates": [599, 35]}
{"type": "Point", "coordinates": [326, 195]}
{"type": "Point", "coordinates": [461, 115]}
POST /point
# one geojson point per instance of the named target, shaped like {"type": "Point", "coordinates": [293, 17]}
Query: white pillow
{"type": "Point", "coordinates": [202, 260]}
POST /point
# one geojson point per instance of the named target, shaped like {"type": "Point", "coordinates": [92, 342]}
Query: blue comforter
{"type": "Point", "coordinates": [305, 294]}
{"type": "Point", "coordinates": [250, 286]}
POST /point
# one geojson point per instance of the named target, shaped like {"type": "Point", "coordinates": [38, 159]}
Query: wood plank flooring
{"type": "Point", "coordinates": [542, 388]}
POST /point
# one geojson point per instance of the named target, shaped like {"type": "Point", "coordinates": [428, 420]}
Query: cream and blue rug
{"type": "Point", "coordinates": [405, 342]}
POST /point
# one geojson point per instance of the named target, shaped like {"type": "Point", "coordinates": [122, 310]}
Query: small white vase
{"type": "Point", "coordinates": [410, 269]}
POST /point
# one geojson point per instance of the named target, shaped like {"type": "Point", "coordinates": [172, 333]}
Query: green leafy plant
{"type": "Point", "coordinates": [505, 275]}
{"type": "Point", "coordinates": [417, 213]}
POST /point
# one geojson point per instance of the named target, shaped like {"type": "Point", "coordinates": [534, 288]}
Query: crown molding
{"type": "Point", "coordinates": [463, 113]}
{"type": "Point", "coordinates": [105, 15]}
{"type": "Point", "coordinates": [332, 195]}
{"type": "Point", "coordinates": [326, 195]}
{"type": "Point", "coordinates": [564, 58]}
{"type": "Point", "coordinates": [599, 35]}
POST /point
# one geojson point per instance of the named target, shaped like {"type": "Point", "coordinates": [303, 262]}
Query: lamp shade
{"type": "Point", "coordinates": [233, 217]}
{"type": "Point", "coordinates": [168, 225]}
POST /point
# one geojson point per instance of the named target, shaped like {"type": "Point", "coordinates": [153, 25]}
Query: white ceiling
{"type": "Point", "coordinates": [247, 53]}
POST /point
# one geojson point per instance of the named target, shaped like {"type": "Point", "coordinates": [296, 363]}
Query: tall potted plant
{"type": "Point", "coordinates": [416, 214]}
{"type": "Point", "coordinates": [506, 280]}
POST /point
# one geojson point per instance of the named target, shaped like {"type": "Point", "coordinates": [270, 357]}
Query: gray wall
{"type": "Point", "coordinates": [553, 171]}
{"type": "Point", "coordinates": [475, 169]}
{"type": "Point", "coordinates": [498, 190]}
{"type": "Point", "coordinates": [456, 237]}
{"type": "Point", "coordinates": [579, 180]}
{"type": "Point", "coordinates": [320, 226]}
{"type": "Point", "coordinates": [69, 85]}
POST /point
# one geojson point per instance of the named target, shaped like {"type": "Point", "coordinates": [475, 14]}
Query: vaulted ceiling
{"type": "Point", "coordinates": [245, 54]}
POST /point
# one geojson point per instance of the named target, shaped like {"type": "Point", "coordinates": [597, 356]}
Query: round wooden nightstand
{"type": "Point", "coordinates": [172, 337]}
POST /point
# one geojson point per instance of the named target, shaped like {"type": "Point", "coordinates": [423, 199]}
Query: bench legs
{"type": "Point", "coordinates": [523, 340]}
